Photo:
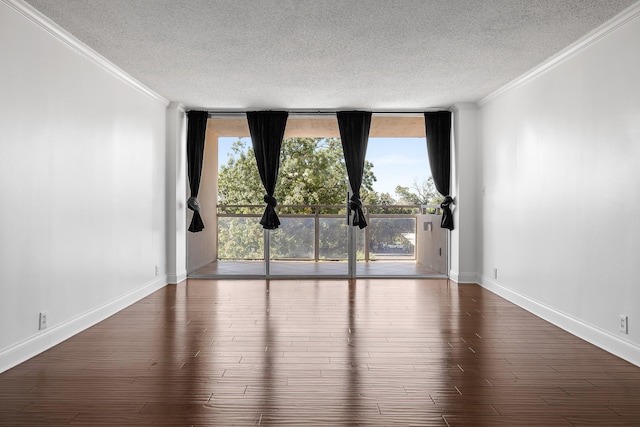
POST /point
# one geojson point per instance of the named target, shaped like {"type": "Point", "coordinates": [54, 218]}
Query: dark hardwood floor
{"type": "Point", "coordinates": [322, 352]}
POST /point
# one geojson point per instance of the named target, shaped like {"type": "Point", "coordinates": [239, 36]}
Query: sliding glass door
{"type": "Point", "coordinates": [314, 240]}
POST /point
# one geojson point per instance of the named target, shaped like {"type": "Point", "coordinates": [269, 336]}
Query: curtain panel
{"type": "Point", "coordinates": [267, 130]}
{"type": "Point", "coordinates": [196, 133]}
{"type": "Point", "coordinates": [354, 132]}
{"type": "Point", "coordinates": [438, 130]}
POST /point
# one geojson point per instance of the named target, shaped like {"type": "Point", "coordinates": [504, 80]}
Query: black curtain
{"type": "Point", "coordinates": [438, 129]}
{"type": "Point", "coordinates": [354, 132]}
{"type": "Point", "coordinates": [267, 131]}
{"type": "Point", "coordinates": [196, 132]}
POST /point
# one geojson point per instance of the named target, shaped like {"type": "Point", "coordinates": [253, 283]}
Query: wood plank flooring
{"type": "Point", "coordinates": [322, 352]}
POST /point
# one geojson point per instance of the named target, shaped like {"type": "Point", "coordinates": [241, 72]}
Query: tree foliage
{"type": "Point", "coordinates": [419, 193]}
{"type": "Point", "coordinates": [312, 172]}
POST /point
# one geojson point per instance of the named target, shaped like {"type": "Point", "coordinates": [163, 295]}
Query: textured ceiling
{"type": "Point", "coordinates": [392, 55]}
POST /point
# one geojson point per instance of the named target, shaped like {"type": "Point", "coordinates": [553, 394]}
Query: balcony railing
{"type": "Point", "coordinates": [318, 233]}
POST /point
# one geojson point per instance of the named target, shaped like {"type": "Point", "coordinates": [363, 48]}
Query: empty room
{"type": "Point", "coordinates": [319, 212]}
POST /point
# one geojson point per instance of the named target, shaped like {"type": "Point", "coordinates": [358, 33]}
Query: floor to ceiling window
{"type": "Point", "coordinates": [403, 237]}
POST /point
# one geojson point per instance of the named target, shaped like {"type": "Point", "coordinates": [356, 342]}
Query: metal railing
{"type": "Point", "coordinates": [312, 232]}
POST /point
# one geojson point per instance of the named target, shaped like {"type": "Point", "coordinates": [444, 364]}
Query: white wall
{"type": "Point", "coordinates": [176, 193]}
{"type": "Point", "coordinates": [560, 160]}
{"type": "Point", "coordinates": [82, 185]}
{"type": "Point", "coordinates": [464, 190]}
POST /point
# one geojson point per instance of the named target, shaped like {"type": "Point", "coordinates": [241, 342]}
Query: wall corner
{"type": "Point", "coordinates": [176, 192]}
{"type": "Point", "coordinates": [464, 188]}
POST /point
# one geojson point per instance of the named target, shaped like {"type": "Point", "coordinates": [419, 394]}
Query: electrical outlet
{"type": "Point", "coordinates": [157, 270]}
{"type": "Point", "coordinates": [495, 273]}
{"type": "Point", "coordinates": [43, 320]}
{"type": "Point", "coordinates": [624, 324]}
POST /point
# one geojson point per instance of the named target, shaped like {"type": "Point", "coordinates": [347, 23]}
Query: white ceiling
{"type": "Point", "coordinates": [391, 55]}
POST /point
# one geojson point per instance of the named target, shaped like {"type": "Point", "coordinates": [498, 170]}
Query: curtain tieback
{"type": "Point", "coordinates": [196, 222]}
{"type": "Point", "coordinates": [193, 204]}
{"type": "Point", "coordinates": [447, 216]}
{"type": "Point", "coordinates": [270, 219]}
{"type": "Point", "coordinates": [448, 200]}
{"type": "Point", "coordinates": [270, 200]}
{"type": "Point", "coordinates": [355, 203]}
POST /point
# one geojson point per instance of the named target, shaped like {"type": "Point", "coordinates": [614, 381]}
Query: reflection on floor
{"type": "Point", "coordinates": [279, 269]}
{"type": "Point", "coordinates": [377, 353]}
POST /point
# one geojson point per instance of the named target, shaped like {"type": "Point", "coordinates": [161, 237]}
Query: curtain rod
{"type": "Point", "coordinates": [315, 113]}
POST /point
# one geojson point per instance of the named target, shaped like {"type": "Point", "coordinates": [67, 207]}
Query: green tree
{"type": "Point", "coordinates": [312, 172]}
{"type": "Point", "coordinates": [419, 193]}
{"type": "Point", "coordinates": [239, 180]}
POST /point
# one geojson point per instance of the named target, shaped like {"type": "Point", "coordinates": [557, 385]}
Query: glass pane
{"type": "Point", "coordinates": [392, 238]}
{"type": "Point", "coordinates": [294, 239]}
{"type": "Point", "coordinates": [402, 187]}
{"type": "Point", "coordinates": [311, 201]}
{"type": "Point", "coordinates": [360, 243]}
{"type": "Point", "coordinates": [333, 239]}
{"type": "Point", "coordinates": [240, 239]}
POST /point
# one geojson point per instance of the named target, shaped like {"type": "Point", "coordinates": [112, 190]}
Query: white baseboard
{"type": "Point", "coordinates": [174, 279]}
{"type": "Point", "coordinates": [463, 277]}
{"type": "Point", "coordinates": [48, 338]}
{"type": "Point", "coordinates": [592, 334]}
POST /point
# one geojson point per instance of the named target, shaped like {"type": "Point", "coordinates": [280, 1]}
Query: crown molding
{"type": "Point", "coordinates": [60, 34]}
{"type": "Point", "coordinates": [627, 15]}
{"type": "Point", "coordinates": [178, 106]}
{"type": "Point", "coordinates": [466, 106]}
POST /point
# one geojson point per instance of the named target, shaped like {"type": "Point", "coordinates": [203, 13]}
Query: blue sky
{"type": "Point", "coordinates": [396, 161]}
